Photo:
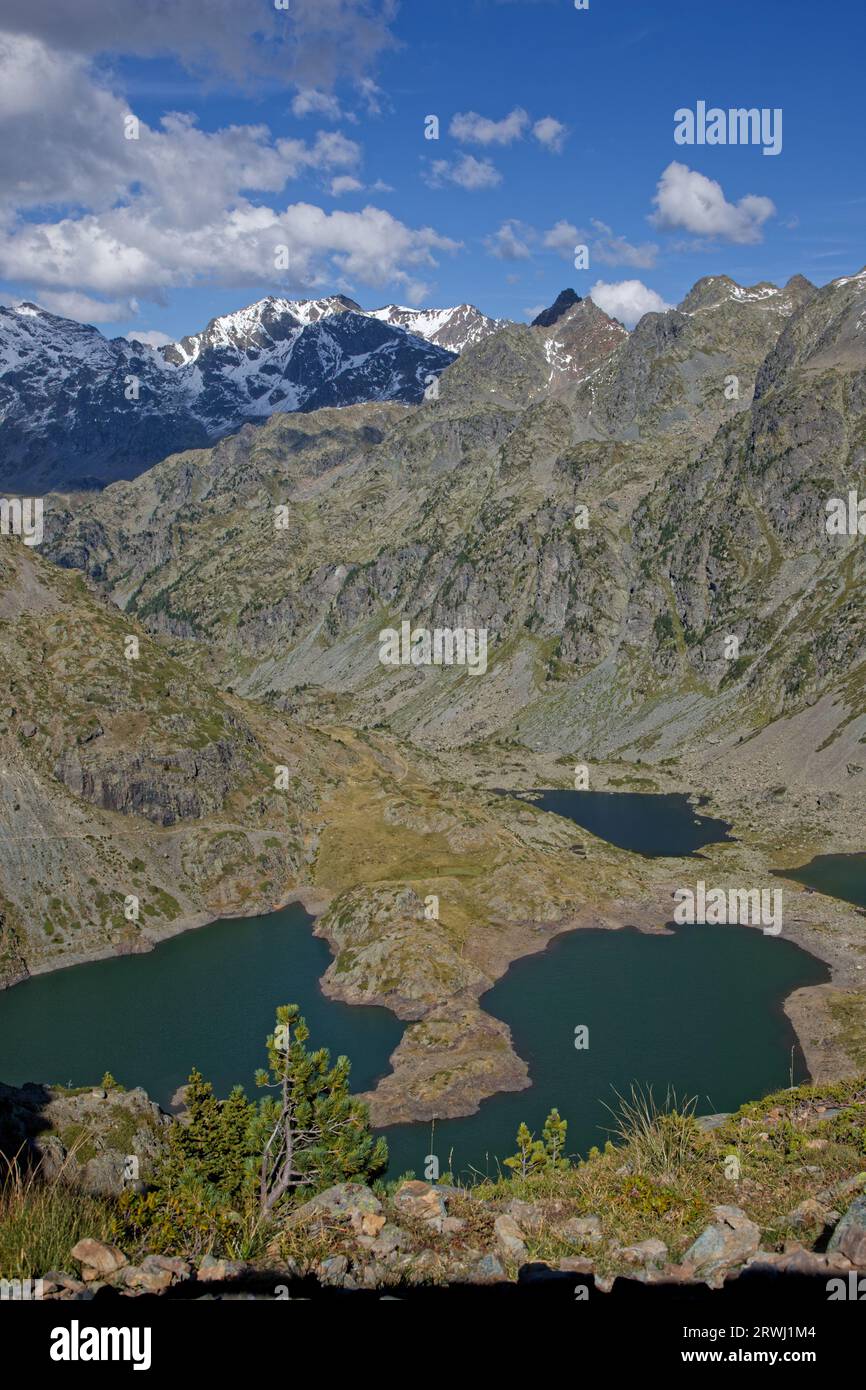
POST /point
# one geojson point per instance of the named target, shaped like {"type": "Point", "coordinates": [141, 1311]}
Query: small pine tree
{"type": "Point", "coordinates": [553, 1136]}
{"type": "Point", "coordinates": [213, 1146]}
{"type": "Point", "coordinates": [314, 1133]}
{"type": "Point", "coordinates": [236, 1153]}
{"type": "Point", "coordinates": [530, 1157]}
{"type": "Point", "coordinates": [540, 1155]}
{"type": "Point", "coordinates": [196, 1142]}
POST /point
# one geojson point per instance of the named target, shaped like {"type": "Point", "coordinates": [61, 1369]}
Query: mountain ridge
{"type": "Point", "coordinates": [78, 409]}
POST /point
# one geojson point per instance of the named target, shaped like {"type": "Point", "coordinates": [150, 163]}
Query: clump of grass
{"type": "Point", "coordinates": [41, 1220]}
{"type": "Point", "coordinates": [660, 1139]}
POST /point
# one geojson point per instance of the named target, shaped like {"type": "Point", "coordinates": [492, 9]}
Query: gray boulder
{"type": "Point", "coordinates": [849, 1237]}
{"type": "Point", "coordinates": [730, 1241]}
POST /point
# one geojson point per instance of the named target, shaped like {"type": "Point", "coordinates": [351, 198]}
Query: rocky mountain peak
{"type": "Point", "coordinates": [826, 335]}
{"type": "Point", "coordinates": [271, 319]}
{"type": "Point", "coordinates": [580, 339]}
{"type": "Point", "coordinates": [798, 284]}
{"type": "Point", "coordinates": [565, 300]}
{"type": "Point", "coordinates": [715, 291]}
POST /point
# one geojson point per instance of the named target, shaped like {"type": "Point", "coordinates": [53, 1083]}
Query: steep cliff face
{"type": "Point", "coordinates": [99, 756]}
{"type": "Point", "coordinates": [735, 542]}
{"type": "Point", "coordinates": [703, 448]}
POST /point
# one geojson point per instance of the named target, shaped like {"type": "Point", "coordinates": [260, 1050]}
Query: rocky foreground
{"type": "Point", "coordinates": [414, 1238]}
{"type": "Point", "coordinates": [779, 1188]}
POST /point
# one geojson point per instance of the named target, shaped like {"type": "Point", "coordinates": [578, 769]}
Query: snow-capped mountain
{"type": "Point", "coordinates": [79, 409]}
{"type": "Point", "coordinates": [453, 328]}
{"type": "Point", "coordinates": [286, 355]}
{"type": "Point", "coordinates": [272, 320]}
{"type": "Point", "coordinates": [259, 325]}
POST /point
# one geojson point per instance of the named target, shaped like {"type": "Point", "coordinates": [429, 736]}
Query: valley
{"type": "Point", "coordinates": [259, 650]}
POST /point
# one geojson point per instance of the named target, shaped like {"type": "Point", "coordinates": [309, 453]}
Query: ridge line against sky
{"type": "Point", "coordinates": [154, 176]}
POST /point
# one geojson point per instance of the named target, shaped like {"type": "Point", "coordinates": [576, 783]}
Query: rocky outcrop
{"type": "Point", "coordinates": [849, 1237]}
{"type": "Point", "coordinates": [388, 952]}
{"type": "Point", "coordinates": [163, 787]}
{"type": "Point", "coordinates": [730, 1240]}
{"type": "Point", "coordinates": [446, 1065]}
{"type": "Point", "coordinates": [103, 1141]}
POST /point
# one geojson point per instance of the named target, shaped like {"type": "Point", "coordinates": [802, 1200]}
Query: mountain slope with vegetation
{"type": "Point", "coordinates": [462, 512]}
{"type": "Point", "coordinates": [259, 574]}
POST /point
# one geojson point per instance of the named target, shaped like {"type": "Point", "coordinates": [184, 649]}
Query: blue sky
{"type": "Point", "coordinates": [262, 129]}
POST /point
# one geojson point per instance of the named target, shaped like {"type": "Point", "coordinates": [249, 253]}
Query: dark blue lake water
{"type": "Point", "coordinates": [700, 1010]}
{"type": "Point", "coordinates": [646, 823]}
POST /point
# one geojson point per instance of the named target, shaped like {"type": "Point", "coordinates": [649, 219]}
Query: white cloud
{"type": "Point", "coordinates": [175, 206]}
{"type": "Point", "coordinates": [469, 173]}
{"type": "Point", "coordinates": [331, 149]}
{"type": "Point", "coordinates": [627, 300]}
{"type": "Point", "coordinates": [690, 200]}
{"type": "Point", "coordinates": [534, 311]}
{"type": "Point", "coordinates": [510, 242]}
{"type": "Point", "coordinates": [71, 304]}
{"type": "Point", "coordinates": [345, 183]}
{"type": "Point", "coordinates": [373, 97]}
{"type": "Point", "coordinates": [550, 133]}
{"type": "Point", "coordinates": [128, 251]}
{"type": "Point", "coordinates": [312, 103]}
{"type": "Point", "coordinates": [472, 129]}
{"type": "Point", "coordinates": [603, 244]}
{"type": "Point", "coordinates": [151, 337]}
{"type": "Point", "coordinates": [615, 250]}
{"type": "Point", "coordinates": [65, 144]}
{"type": "Point", "coordinates": [562, 238]}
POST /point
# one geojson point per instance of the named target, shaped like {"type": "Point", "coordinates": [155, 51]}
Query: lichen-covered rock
{"type": "Point", "coordinates": [849, 1237]}
{"type": "Point", "coordinates": [509, 1238]}
{"type": "Point", "coordinates": [97, 1258]}
{"type": "Point", "coordinates": [488, 1269]}
{"type": "Point", "coordinates": [581, 1230]}
{"type": "Point", "coordinates": [102, 1141]}
{"type": "Point", "coordinates": [345, 1201]}
{"type": "Point", "coordinates": [643, 1252]}
{"type": "Point", "coordinates": [213, 1270]}
{"type": "Point", "coordinates": [730, 1241]}
{"type": "Point", "coordinates": [421, 1201]}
